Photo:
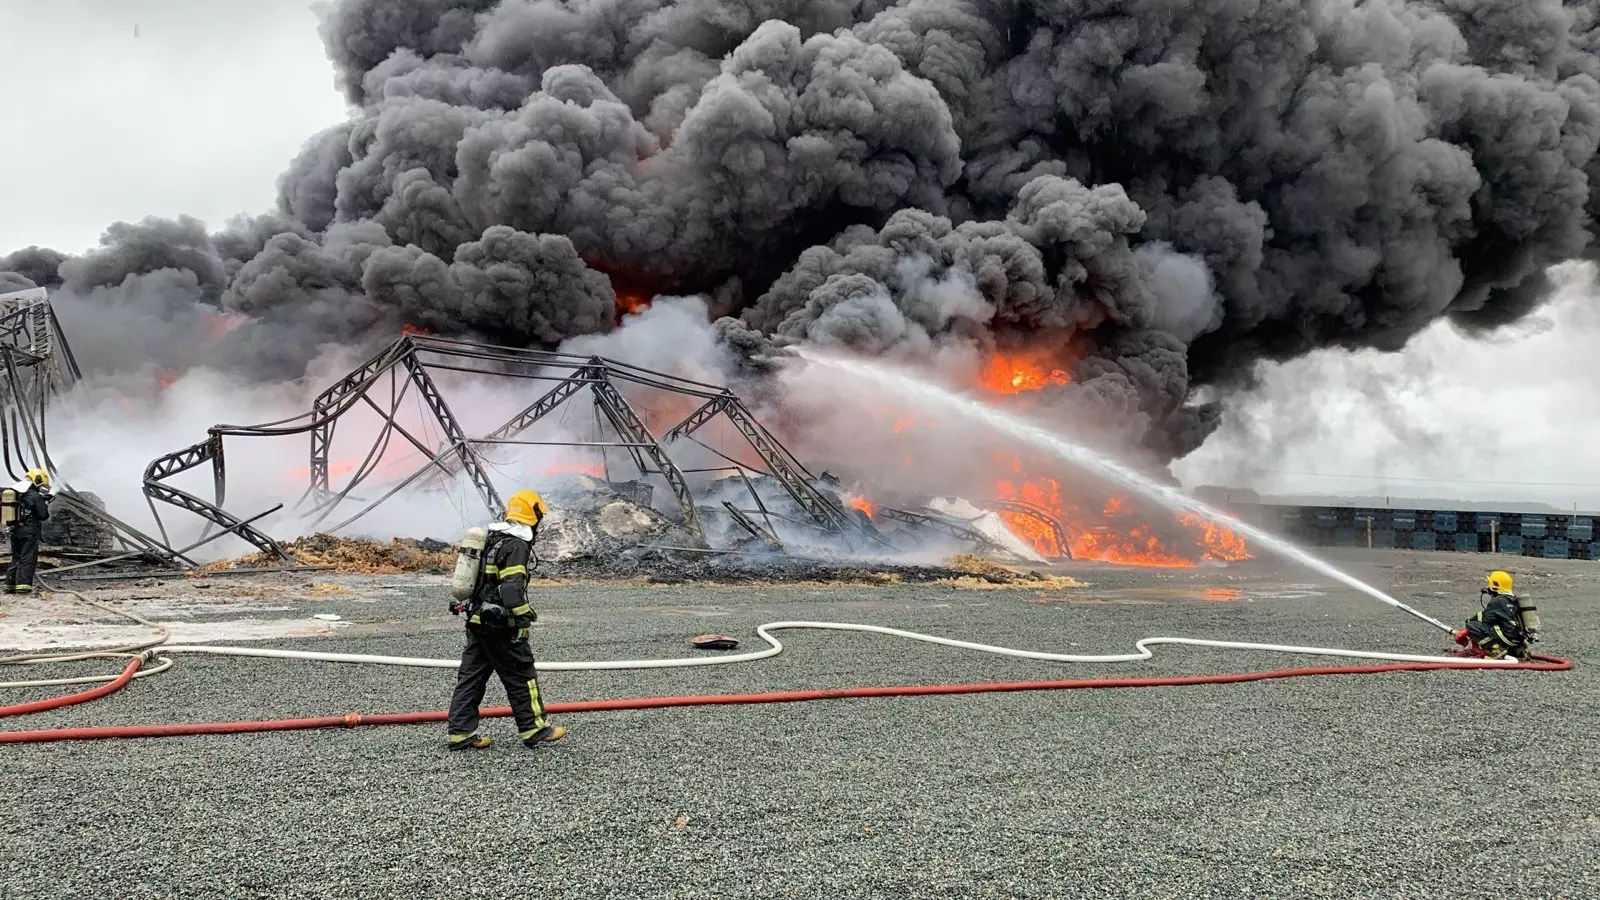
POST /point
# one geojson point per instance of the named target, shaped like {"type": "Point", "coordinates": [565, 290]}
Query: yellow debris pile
{"type": "Point", "coordinates": [360, 557]}
{"type": "Point", "coordinates": [975, 571]}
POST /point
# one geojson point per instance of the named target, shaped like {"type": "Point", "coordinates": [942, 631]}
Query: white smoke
{"type": "Point", "coordinates": [1450, 418]}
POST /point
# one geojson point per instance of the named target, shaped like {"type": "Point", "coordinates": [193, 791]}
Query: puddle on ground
{"type": "Point", "coordinates": [1087, 600]}
{"type": "Point", "coordinates": [701, 613]}
{"type": "Point", "coordinates": [1149, 595]}
{"type": "Point", "coordinates": [43, 623]}
{"type": "Point", "coordinates": [19, 636]}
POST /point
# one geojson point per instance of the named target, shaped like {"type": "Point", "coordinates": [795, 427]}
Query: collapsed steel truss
{"type": "Point", "coordinates": [1040, 515]}
{"type": "Point", "coordinates": [408, 363]}
{"type": "Point", "coordinates": [36, 365]}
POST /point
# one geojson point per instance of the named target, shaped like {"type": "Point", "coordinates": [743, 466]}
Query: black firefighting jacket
{"type": "Point", "coordinates": [1499, 624]}
{"type": "Point", "coordinates": [503, 584]}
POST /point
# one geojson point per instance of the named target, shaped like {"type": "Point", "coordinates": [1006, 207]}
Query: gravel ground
{"type": "Point", "coordinates": [1369, 786]}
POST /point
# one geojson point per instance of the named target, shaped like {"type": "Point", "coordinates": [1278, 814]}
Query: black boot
{"type": "Point", "coordinates": [546, 735]}
{"type": "Point", "coordinates": [473, 741]}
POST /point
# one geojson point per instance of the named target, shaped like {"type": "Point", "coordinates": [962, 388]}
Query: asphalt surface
{"type": "Point", "coordinates": [1443, 784]}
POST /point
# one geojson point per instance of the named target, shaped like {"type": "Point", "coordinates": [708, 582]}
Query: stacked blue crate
{"type": "Point", "coordinates": [1531, 534]}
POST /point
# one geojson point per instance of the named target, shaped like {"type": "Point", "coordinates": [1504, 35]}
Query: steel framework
{"type": "Point", "coordinates": [408, 363]}
{"type": "Point", "coordinates": [940, 523]}
{"type": "Point", "coordinates": [1038, 514]}
{"type": "Point", "coordinates": [37, 365]}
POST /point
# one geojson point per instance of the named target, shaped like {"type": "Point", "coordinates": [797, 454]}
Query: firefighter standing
{"type": "Point", "coordinates": [1504, 626]}
{"type": "Point", "coordinates": [30, 509]}
{"type": "Point", "coordinates": [498, 615]}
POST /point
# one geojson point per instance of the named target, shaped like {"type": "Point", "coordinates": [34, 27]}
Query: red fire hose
{"type": "Point", "coordinates": [121, 681]}
{"type": "Point", "coordinates": [351, 720]}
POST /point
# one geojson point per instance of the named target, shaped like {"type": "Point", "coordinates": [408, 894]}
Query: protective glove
{"type": "Point", "coordinates": [455, 607]}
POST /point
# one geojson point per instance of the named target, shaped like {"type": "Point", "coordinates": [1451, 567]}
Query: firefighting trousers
{"type": "Point", "coordinates": [1497, 640]}
{"type": "Point", "coordinates": [24, 557]}
{"type": "Point", "coordinates": [497, 652]}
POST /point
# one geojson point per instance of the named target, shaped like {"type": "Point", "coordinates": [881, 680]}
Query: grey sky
{"type": "Point", "coordinates": [197, 114]}
{"type": "Point", "coordinates": [201, 111]}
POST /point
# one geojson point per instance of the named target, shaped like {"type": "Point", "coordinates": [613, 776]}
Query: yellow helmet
{"type": "Point", "coordinates": [39, 477]}
{"type": "Point", "coordinates": [1500, 582]}
{"type": "Point", "coordinates": [526, 507]}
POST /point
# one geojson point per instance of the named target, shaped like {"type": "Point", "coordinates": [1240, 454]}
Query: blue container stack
{"type": "Point", "coordinates": [1542, 535]}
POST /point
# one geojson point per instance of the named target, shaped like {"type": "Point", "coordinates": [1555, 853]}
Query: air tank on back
{"type": "Point", "coordinates": [469, 560]}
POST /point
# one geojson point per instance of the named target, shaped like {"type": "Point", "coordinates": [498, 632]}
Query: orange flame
{"type": "Point", "coordinates": [1015, 374]}
{"type": "Point", "coordinates": [863, 504]}
{"type": "Point", "coordinates": [166, 378]}
{"type": "Point", "coordinates": [1134, 544]}
{"type": "Point", "coordinates": [1220, 543]}
{"type": "Point", "coordinates": [630, 302]}
{"type": "Point", "coordinates": [1114, 536]}
{"type": "Point", "coordinates": [632, 290]}
{"type": "Point", "coordinates": [409, 328]}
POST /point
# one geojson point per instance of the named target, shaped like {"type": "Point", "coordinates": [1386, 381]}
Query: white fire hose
{"type": "Point", "coordinates": [774, 647]}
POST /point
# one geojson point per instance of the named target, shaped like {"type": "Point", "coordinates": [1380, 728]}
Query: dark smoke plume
{"type": "Point", "coordinates": [1162, 191]}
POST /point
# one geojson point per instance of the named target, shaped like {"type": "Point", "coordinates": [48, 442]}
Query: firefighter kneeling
{"type": "Point", "coordinates": [494, 598]}
{"type": "Point", "coordinates": [1504, 627]}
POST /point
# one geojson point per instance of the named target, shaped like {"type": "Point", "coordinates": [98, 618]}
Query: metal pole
{"type": "Point", "coordinates": [557, 443]}
{"type": "Point", "coordinates": [200, 543]}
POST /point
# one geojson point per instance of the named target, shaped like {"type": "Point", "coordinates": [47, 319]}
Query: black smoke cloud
{"type": "Point", "coordinates": [1164, 192]}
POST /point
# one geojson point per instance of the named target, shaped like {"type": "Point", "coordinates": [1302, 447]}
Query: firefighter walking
{"type": "Point", "coordinates": [498, 615]}
{"type": "Point", "coordinates": [25, 510]}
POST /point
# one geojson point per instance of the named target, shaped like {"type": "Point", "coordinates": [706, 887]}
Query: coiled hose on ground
{"type": "Point", "coordinates": [134, 652]}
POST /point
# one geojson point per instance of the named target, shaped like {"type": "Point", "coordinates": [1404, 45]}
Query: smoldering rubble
{"type": "Point", "coordinates": [1164, 192]}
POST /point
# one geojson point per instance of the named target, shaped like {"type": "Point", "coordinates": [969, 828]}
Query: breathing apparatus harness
{"type": "Point", "coordinates": [1526, 613]}
{"type": "Point", "coordinates": [480, 601]}
{"type": "Point", "coordinates": [13, 511]}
